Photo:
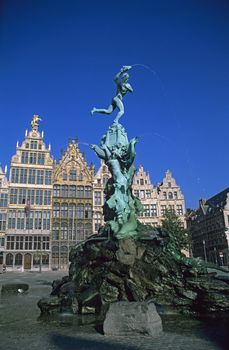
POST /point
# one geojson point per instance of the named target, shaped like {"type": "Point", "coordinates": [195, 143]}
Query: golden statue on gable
{"type": "Point", "coordinates": [34, 122]}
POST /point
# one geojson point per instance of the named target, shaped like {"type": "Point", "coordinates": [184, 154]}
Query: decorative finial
{"type": "Point", "coordinates": [26, 132]}
{"type": "Point", "coordinates": [5, 169]}
{"type": "Point", "coordinates": [34, 122]}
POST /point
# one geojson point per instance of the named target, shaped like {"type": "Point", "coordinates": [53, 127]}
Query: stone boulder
{"type": "Point", "coordinates": [131, 319]}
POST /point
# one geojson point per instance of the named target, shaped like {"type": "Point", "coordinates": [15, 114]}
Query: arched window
{"type": "Point", "coordinates": [87, 230]}
{"type": "Point", "coordinates": [79, 231]}
{"type": "Point", "coordinates": [98, 221]}
{"type": "Point", "coordinates": [64, 255]}
{"type": "Point", "coordinates": [55, 231]}
{"type": "Point", "coordinates": [45, 259]}
{"type": "Point", "coordinates": [9, 259]}
{"type": "Point", "coordinates": [56, 191]}
{"type": "Point", "coordinates": [64, 191]}
{"type": "Point", "coordinates": [55, 255]}
{"type": "Point", "coordinates": [72, 175]}
{"type": "Point", "coordinates": [64, 210]}
{"type": "Point", "coordinates": [72, 191]}
{"type": "Point", "coordinates": [80, 191]}
{"type": "Point", "coordinates": [72, 210]}
{"type": "Point", "coordinates": [56, 210]}
{"type": "Point", "coordinates": [64, 231]}
{"type": "Point", "coordinates": [18, 259]}
{"type": "Point", "coordinates": [170, 195]}
{"type": "Point", "coordinates": [80, 211]}
{"type": "Point", "coordinates": [88, 192]}
{"type": "Point", "coordinates": [88, 211]}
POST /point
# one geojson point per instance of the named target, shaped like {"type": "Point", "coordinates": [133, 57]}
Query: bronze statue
{"type": "Point", "coordinates": [121, 79]}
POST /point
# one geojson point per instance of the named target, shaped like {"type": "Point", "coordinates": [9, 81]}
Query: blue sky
{"type": "Point", "coordinates": [58, 60]}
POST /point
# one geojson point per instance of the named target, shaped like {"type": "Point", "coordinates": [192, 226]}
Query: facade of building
{"type": "Point", "coordinates": [157, 199]}
{"type": "Point", "coordinates": [3, 210]}
{"type": "Point", "coordinates": [99, 183]}
{"type": "Point", "coordinates": [27, 244]}
{"type": "Point", "coordinates": [72, 204]}
{"type": "Point", "coordinates": [209, 226]}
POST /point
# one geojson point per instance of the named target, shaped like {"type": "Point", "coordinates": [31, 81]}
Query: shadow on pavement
{"type": "Point", "coordinates": [73, 343]}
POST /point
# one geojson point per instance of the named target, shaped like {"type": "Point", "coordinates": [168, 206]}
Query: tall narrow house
{"type": "Point", "coordinates": [30, 204]}
{"type": "Point", "coordinates": [72, 204]}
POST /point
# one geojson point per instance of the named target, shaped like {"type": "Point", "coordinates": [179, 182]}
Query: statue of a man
{"type": "Point", "coordinates": [121, 79]}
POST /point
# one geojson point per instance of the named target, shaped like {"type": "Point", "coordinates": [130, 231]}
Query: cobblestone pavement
{"type": "Point", "coordinates": [22, 328]}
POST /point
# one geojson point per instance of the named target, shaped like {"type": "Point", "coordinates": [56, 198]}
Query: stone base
{"type": "Point", "coordinates": [132, 318]}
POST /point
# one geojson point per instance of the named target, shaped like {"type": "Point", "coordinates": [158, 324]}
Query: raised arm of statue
{"type": "Point", "coordinates": [99, 151]}
{"type": "Point", "coordinates": [122, 70]}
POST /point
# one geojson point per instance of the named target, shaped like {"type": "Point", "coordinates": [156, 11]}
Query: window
{"type": "Point", "coordinates": [47, 197]}
{"type": "Point", "coordinates": [88, 192]}
{"type": "Point", "coordinates": [72, 210]}
{"type": "Point", "coordinates": [2, 221]}
{"type": "Point", "coordinates": [170, 195]}
{"type": "Point", "coordinates": [55, 255]}
{"type": "Point", "coordinates": [153, 209]}
{"type": "Point", "coordinates": [148, 193]}
{"type": "Point", "coordinates": [80, 211]}
{"type": "Point", "coordinates": [20, 219]}
{"type": "Point", "coordinates": [175, 195]}
{"type": "Point", "coordinates": [64, 191]}
{"type": "Point", "coordinates": [98, 221]}
{"type": "Point", "coordinates": [9, 259]}
{"type": "Point", "coordinates": [40, 158]}
{"type": "Point", "coordinates": [12, 219]}
{"type": "Point", "coordinates": [98, 197]}
{"type": "Point", "coordinates": [40, 177]}
{"type": "Point", "coordinates": [65, 176]}
{"type": "Point", "coordinates": [18, 259]}
{"type": "Point", "coordinates": [80, 231]}
{"type": "Point", "coordinates": [55, 231]}
{"type": "Point", "coordinates": [32, 176]}
{"type": "Point", "coordinates": [146, 210]}
{"type": "Point", "coordinates": [80, 191]}
{"type": "Point", "coordinates": [169, 184]}
{"type": "Point", "coordinates": [171, 208]}
{"type": "Point", "coordinates": [163, 209]}
{"type": "Point", "coordinates": [141, 182]}
{"type": "Point", "coordinates": [33, 144]}
{"type": "Point", "coordinates": [56, 210]}
{"type": "Point", "coordinates": [64, 231]}
{"type": "Point", "coordinates": [179, 209]}
{"type": "Point", "coordinates": [10, 243]}
{"type": "Point", "coordinates": [25, 157]}
{"type": "Point", "coordinates": [64, 210]}
{"type": "Point", "coordinates": [81, 176]}
{"type": "Point", "coordinates": [15, 175]}
{"type": "Point", "coordinates": [3, 200]}
{"type": "Point", "coordinates": [19, 242]}
{"type": "Point", "coordinates": [72, 191]}
{"type": "Point", "coordinates": [72, 175]}
{"type": "Point", "coordinates": [13, 195]}
{"type": "Point", "coordinates": [28, 242]}
{"type": "Point", "coordinates": [38, 220]}
{"type": "Point", "coordinates": [39, 197]}
{"type": "Point", "coordinates": [33, 158]}
{"type": "Point", "coordinates": [56, 191]}
{"type": "Point", "coordinates": [142, 194]}
{"type": "Point", "coordinates": [164, 195]}
{"type": "Point", "coordinates": [22, 196]}
{"type": "Point", "coordinates": [88, 211]}
{"type": "Point", "coordinates": [23, 176]}
{"type": "Point", "coordinates": [48, 177]}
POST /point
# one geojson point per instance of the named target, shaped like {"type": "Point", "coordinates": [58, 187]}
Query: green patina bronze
{"type": "Point", "coordinates": [121, 208]}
